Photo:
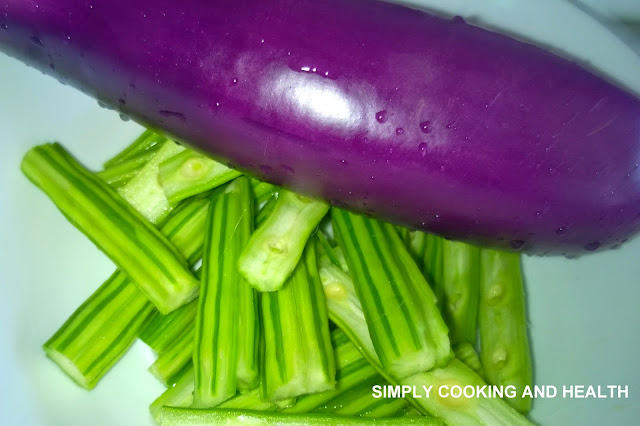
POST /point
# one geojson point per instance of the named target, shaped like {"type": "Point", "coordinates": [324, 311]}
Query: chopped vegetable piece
{"type": "Point", "coordinates": [476, 410]}
{"type": "Point", "coordinates": [504, 344]}
{"type": "Point", "coordinates": [297, 355]}
{"type": "Point", "coordinates": [192, 417]}
{"type": "Point", "coordinates": [174, 330]}
{"type": "Point", "coordinates": [144, 192]}
{"type": "Point", "coordinates": [190, 173]}
{"type": "Point", "coordinates": [426, 250]}
{"type": "Point", "coordinates": [406, 327]}
{"type": "Point", "coordinates": [247, 374]}
{"type": "Point", "coordinates": [215, 353]}
{"type": "Point", "coordinates": [345, 311]}
{"type": "Point", "coordinates": [100, 331]}
{"type": "Point", "coordinates": [139, 249]}
{"type": "Point", "coordinates": [351, 371]}
{"type": "Point", "coordinates": [276, 246]}
{"type": "Point", "coordinates": [460, 282]}
{"type": "Point", "coordinates": [343, 305]}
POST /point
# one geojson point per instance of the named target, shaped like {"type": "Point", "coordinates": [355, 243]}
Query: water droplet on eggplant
{"type": "Point", "coordinates": [423, 149]}
{"type": "Point", "coordinates": [382, 116]}
{"type": "Point", "coordinates": [425, 126]}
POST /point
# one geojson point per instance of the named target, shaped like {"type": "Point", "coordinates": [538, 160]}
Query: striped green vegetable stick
{"type": "Point", "coordinates": [461, 286]}
{"type": "Point", "coordinates": [190, 173]}
{"type": "Point", "coordinates": [407, 330]}
{"type": "Point", "coordinates": [134, 244]}
{"type": "Point", "coordinates": [297, 356]}
{"type": "Point", "coordinates": [277, 244]}
{"type": "Point", "coordinates": [194, 417]}
{"type": "Point", "coordinates": [504, 344]}
{"type": "Point", "coordinates": [99, 332]}
{"type": "Point", "coordinates": [215, 353]}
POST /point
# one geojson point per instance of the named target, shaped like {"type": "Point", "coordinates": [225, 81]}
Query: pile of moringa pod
{"type": "Point", "coordinates": [269, 307]}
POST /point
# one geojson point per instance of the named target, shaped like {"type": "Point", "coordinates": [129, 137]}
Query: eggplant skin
{"type": "Point", "coordinates": [408, 117]}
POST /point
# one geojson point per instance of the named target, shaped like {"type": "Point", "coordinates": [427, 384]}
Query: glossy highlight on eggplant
{"type": "Point", "coordinates": [419, 120]}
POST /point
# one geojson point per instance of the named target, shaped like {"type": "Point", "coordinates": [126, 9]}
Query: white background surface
{"type": "Point", "coordinates": [583, 313]}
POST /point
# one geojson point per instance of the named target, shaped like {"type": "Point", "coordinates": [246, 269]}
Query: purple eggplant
{"type": "Point", "coordinates": [423, 121]}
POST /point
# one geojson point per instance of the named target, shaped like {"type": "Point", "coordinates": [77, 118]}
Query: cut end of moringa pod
{"type": "Point", "coordinates": [70, 368]}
